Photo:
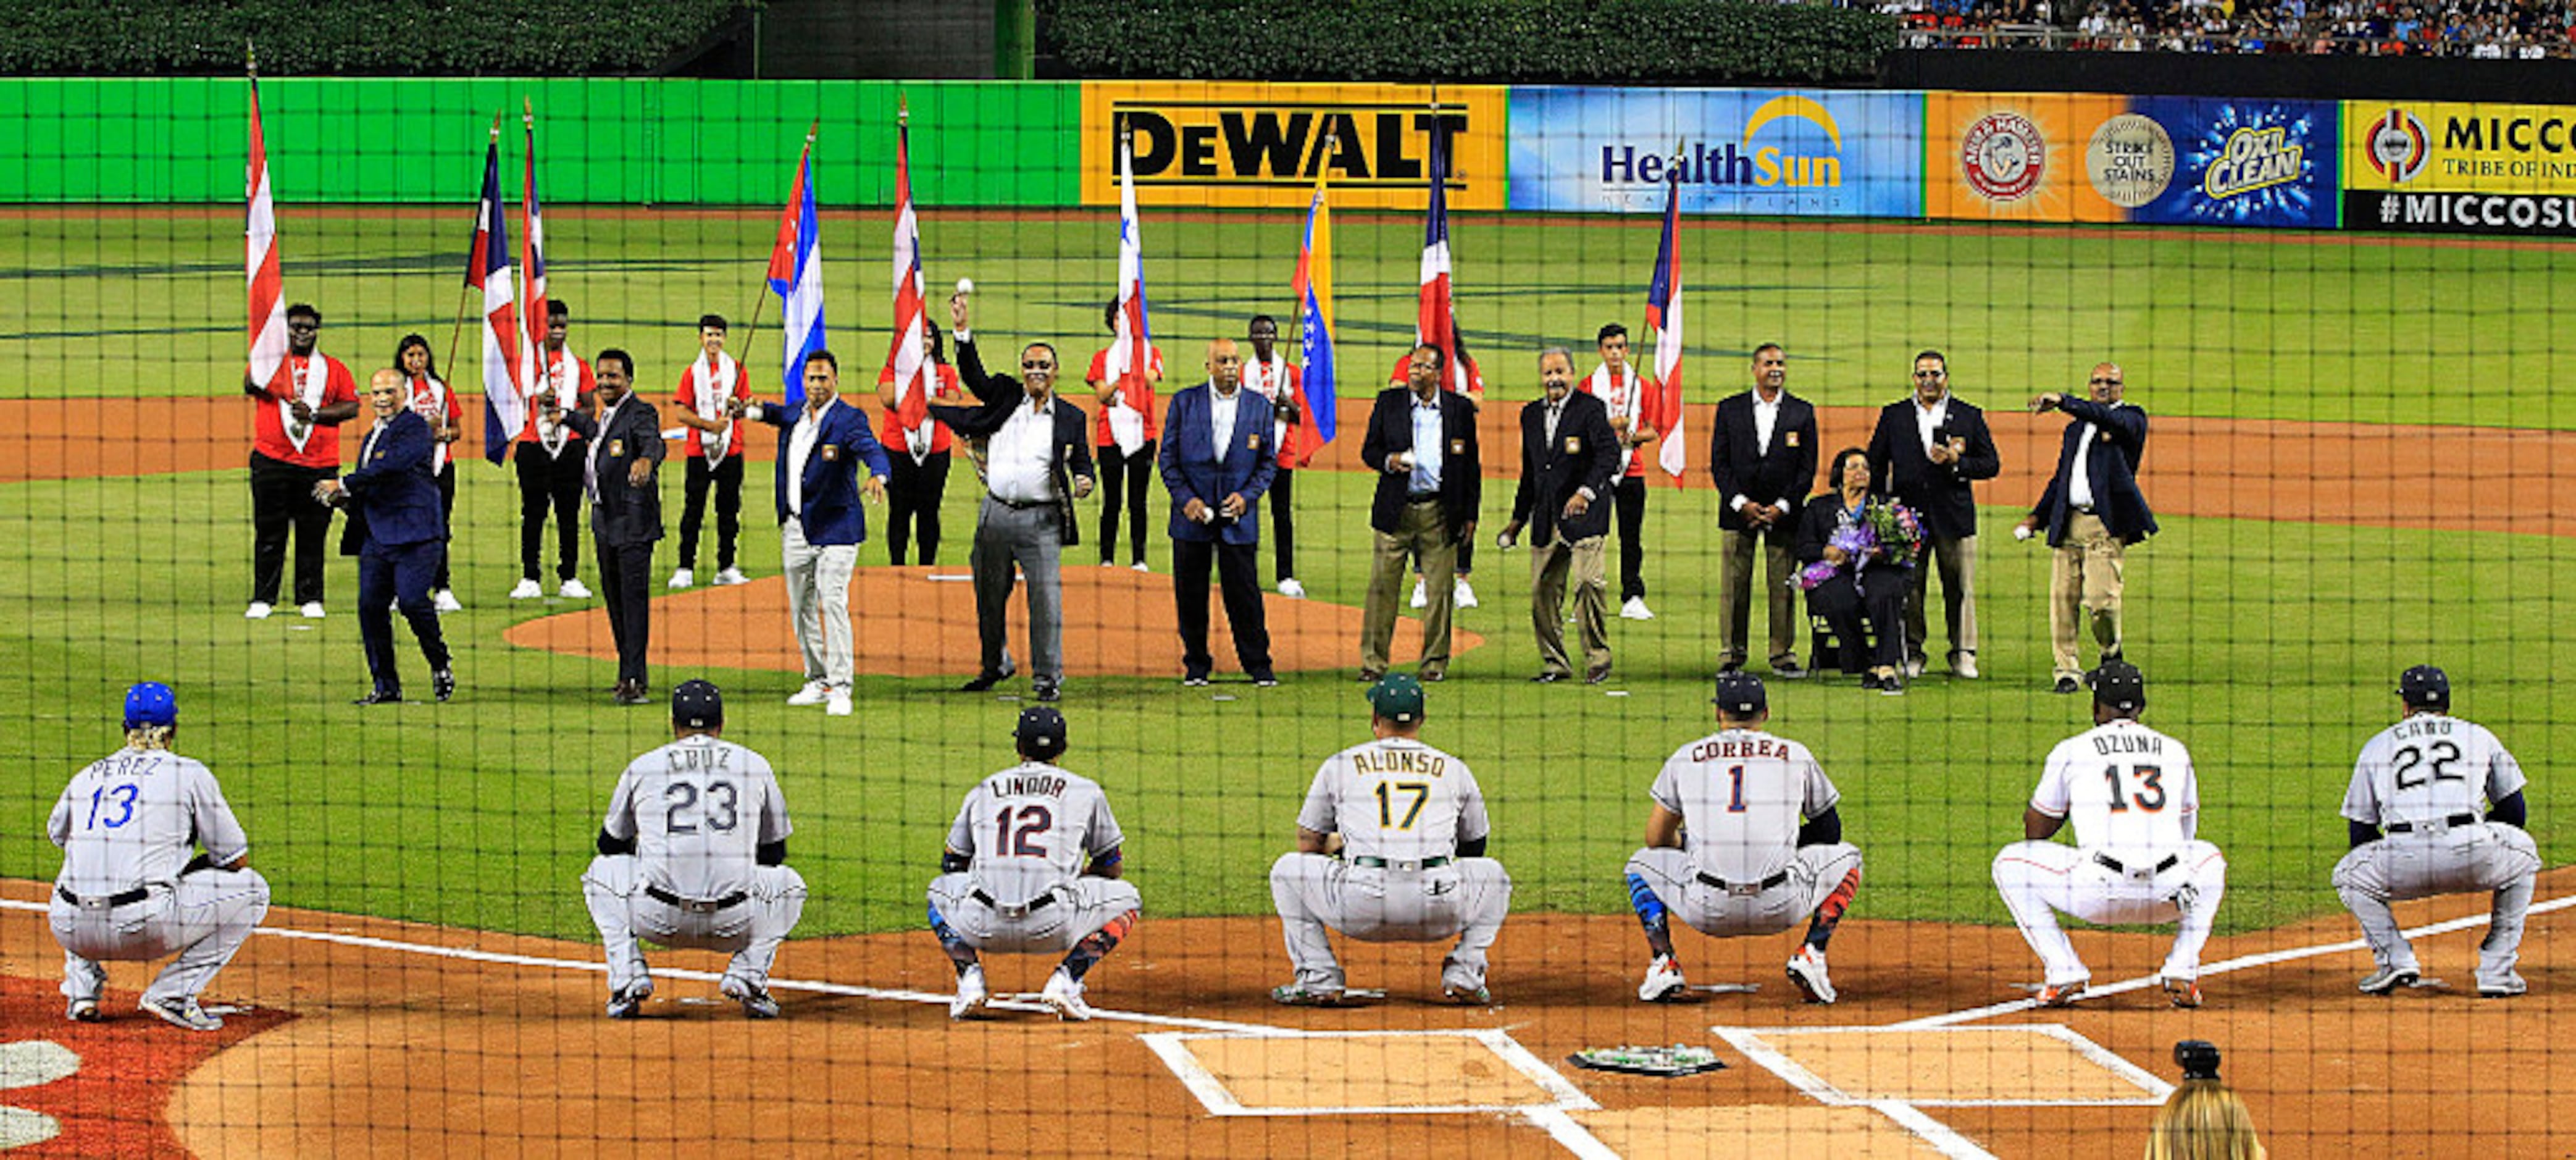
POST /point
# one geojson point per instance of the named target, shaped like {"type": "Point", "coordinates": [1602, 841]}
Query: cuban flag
{"type": "Point", "coordinates": [267, 283]}
{"type": "Point", "coordinates": [1130, 352]}
{"type": "Point", "coordinates": [1436, 324]}
{"type": "Point", "coordinates": [1313, 289]}
{"type": "Point", "coordinates": [532, 272]}
{"type": "Point", "coordinates": [911, 370]}
{"type": "Point", "coordinates": [505, 410]}
{"type": "Point", "coordinates": [796, 274]}
{"type": "Point", "coordinates": [1662, 405]}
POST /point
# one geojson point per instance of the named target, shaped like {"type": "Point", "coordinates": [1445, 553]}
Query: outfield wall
{"type": "Point", "coordinates": [2044, 157]}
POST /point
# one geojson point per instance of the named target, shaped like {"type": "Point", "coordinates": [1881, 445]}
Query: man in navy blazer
{"type": "Point", "coordinates": [820, 522]}
{"type": "Point", "coordinates": [2092, 510]}
{"type": "Point", "coordinates": [1218, 456]}
{"type": "Point", "coordinates": [1569, 464]}
{"type": "Point", "coordinates": [1929, 450]}
{"type": "Point", "coordinates": [395, 530]}
{"type": "Point", "coordinates": [1422, 443]}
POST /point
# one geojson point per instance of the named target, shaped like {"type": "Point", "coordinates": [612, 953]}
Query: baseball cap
{"type": "Point", "coordinates": [1740, 693]}
{"type": "Point", "coordinates": [2118, 684]}
{"type": "Point", "coordinates": [697, 705]}
{"type": "Point", "coordinates": [2423, 686]}
{"type": "Point", "coordinates": [150, 703]}
{"type": "Point", "coordinates": [1040, 731]}
{"type": "Point", "coordinates": [1397, 697]}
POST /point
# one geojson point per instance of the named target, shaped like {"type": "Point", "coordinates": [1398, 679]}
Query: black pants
{"type": "Point", "coordinates": [1124, 481]}
{"type": "Point", "coordinates": [1628, 502]}
{"type": "Point", "coordinates": [728, 484]}
{"type": "Point", "coordinates": [626, 586]}
{"type": "Point", "coordinates": [1239, 578]}
{"type": "Point", "coordinates": [913, 493]}
{"type": "Point", "coordinates": [397, 576]}
{"type": "Point", "coordinates": [1283, 523]}
{"type": "Point", "coordinates": [281, 499]}
{"type": "Point", "coordinates": [1877, 604]}
{"type": "Point", "coordinates": [447, 521]}
{"type": "Point", "coordinates": [549, 482]}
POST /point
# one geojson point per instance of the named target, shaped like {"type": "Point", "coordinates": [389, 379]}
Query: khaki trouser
{"type": "Point", "coordinates": [1550, 565]}
{"type": "Point", "coordinates": [1419, 531]}
{"type": "Point", "coordinates": [1734, 584]}
{"type": "Point", "coordinates": [2085, 577]}
{"type": "Point", "coordinates": [1957, 562]}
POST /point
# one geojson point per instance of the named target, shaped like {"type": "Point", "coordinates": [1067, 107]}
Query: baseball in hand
{"type": "Point", "coordinates": [2021, 531]}
{"type": "Point", "coordinates": [965, 285]}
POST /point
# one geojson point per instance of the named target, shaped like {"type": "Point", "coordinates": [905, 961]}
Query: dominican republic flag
{"type": "Point", "coordinates": [1662, 405]}
{"type": "Point", "coordinates": [267, 285]}
{"type": "Point", "coordinates": [1313, 289]}
{"type": "Point", "coordinates": [532, 274]}
{"type": "Point", "coordinates": [505, 411]}
{"type": "Point", "coordinates": [796, 274]}
{"type": "Point", "coordinates": [911, 370]}
{"type": "Point", "coordinates": [1436, 325]}
{"type": "Point", "coordinates": [1128, 352]}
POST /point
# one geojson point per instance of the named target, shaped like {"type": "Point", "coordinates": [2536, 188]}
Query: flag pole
{"type": "Point", "coordinates": [464, 292]}
{"type": "Point", "coordinates": [760, 290]}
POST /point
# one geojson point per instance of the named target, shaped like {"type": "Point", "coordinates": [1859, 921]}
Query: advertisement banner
{"type": "Point", "coordinates": [2433, 211]}
{"type": "Point", "coordinates": [1242, 144]}
{"type": "Point", "coordinates": [1740, 151]}
{"type": "Point", "coordinates": [2058, 157]}
{"type": "Point", "coordinates": [2460, 148]}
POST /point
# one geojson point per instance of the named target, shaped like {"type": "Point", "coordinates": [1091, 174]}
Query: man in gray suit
{"type": "Point", "coordinates": [624, 445]}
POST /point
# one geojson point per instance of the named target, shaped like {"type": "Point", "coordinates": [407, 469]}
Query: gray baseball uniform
{"type": "Point", "coordinates": [1402, 808]}
{"type": "Point", "coordinates": [127, 826]}
{"type": "Point", "coordinates": [2425, 780]}
{"type": "Point", "coordinates": [697, 809]}
{"type": "Point", "coordinates": [1741, 795]}
{"type": "Point", "coordinates": [1029, 831]}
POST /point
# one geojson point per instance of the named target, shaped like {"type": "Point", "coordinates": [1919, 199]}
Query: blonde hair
{"type": "Point", "coordinates": [149, 736]}
{"type": "Point", "coordinates": [2203, 1121]}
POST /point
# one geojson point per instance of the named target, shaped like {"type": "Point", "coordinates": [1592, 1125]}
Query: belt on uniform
{"type": "Point", "coordinates": [695, 905]}
{"type": "Point", "coordinates": [1744, 888]}
{"type": "Point", "coordinates": [2453, 820]}
{"type": "Point", "coordinates": [1374, 863]}
{"type": "Point", "coordinates": [2083, 509]}
{"type": "Point", "coordinates": [2114, 865]}
{"type": "Point", "coordinates": [1034, 905]}
{"type": "Point", "coordinates": [1018, 505]}
{"type": "Point", "coordinates": [110, 902]}
{"type": "Point", "coordinates": [1422, 497]}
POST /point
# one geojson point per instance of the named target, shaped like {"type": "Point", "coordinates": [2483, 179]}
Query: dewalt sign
{"type": "Point", "coordinates": [1209, 144]}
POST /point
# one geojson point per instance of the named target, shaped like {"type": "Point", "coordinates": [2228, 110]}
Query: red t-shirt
{"type": "Point", "coordinates": [570, 378]}
{"type": "Point", "coordinates": [1273, 381]}
{"type": "Point", "coordinates": [890, 431]}
{"type": "Point", "coordinates": [688, 400]}
{"type": "Point", "coordinates": [322, 447]}
{"type": "Point", "coordinates": [1629, 403]}
{"type": "Point", "coordinates": [1140, 394]}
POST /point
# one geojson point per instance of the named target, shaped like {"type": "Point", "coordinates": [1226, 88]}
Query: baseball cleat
{"type": "Point", "coordinates": [573, 589]}
{"type": "Point", "coordinates": [1301, 995]}
{"type": "Point", "coordinates": [81, 1011]}
{"type": "Point", "coordinates": [1467, 996]}
{"type": "Point", "coordinates": [1063, 995]}
{"type": "Point", "coordinates": [1664, 981]}
{"type": "Point", "coordinates": [814, 693]}
{"type": "Point", "coordinates": [2184, 993]}
{"type": "Point", "coordinates": [1807, 970]}
{"type": "Point", "coordinates": [755, 1000]}
{"type": "Point", "coordinates": [971, 995]}
{"type": "Point", "coordinates": [2504, 988]}
{"type": "Point", "coordinates": [2387, 978]}
{"type": "Point", "coordinates": [181, 1011]}
{"type": "Point", "coordinates": [630, 1002]}
{"type": "Point", "coordinates": [2061, 994]}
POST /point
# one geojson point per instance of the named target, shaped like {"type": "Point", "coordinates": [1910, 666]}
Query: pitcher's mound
{"type": "Point", "coordinates": [920, 622]}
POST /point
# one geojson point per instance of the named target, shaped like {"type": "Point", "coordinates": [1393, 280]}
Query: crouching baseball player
{"type": "Point", "coordinates": [1034, 865]}
{"type": "Point", "coordinates": [1408, 825]}
{"type": "Point", "coordinates": [2135, 803]}
{"type": "Point", "coordinates": [694, 854]}
{"type": "Point", "coordinates": [129, 889]}
{"type": "Point", "coordinates": [2417, 832]}
{"type": "Point", "coordinates": [1744, 839]}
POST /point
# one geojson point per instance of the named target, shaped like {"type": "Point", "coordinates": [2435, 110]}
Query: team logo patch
{"type": "Point", "coordinates": [1457, 447]}
{"type": "Point", "coordinates": [1793, 438]}
{"type": "Point", "coordinates": [1574, 445]}
{"type": "Point", "coordinates": [617, 447]}
{"type": "Point", "coordinates": [831, 452]}
{"type": "Point", "coordinates": [1253, 442]}
{"type": "Point", "coordinates": [2003, 156]}
{"type": "Point", "coordinates": [2399, 146]}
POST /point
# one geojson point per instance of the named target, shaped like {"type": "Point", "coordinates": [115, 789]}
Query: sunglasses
{"type": "Point", "coordinates": [1036, 365]}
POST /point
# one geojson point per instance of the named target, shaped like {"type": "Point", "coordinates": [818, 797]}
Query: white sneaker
{"type": "Point", "coordinates": [1807, 970]}
{"type": "Point", "coordinates": [313, 610]}
{"type": "Point", "coordinates": [683, 578]}
{"type": "Point", "coordinates": [1291, 589]}
{"type": "Point", "coordinates": [1635, 609]}
{"type": "Point", "coordinates": [838, 704]}
{"type": "Point", "coordinates": [258, 610]}
{"type": "Point", "coordinates": [1965, 665]}
{"type": "Point", "coordinates": [1464, 596]}
{"type": "Point", "coordinates": [1109, 563]}
{"type": "Point", "coordinates": [1064, 997]}
{"type": "Point", "coordinates": [574, 589]}
{"type": "Point", "coordinates": [1663, 981]}
{"type": "Point", "coordinates": [528, 589]}
{"type": "Point", "coordinates": [813, 693]}
{"type": "Point", "coordinates": [1421, 595]}
{"type": "Point", "coordinates": [445, 600]}
{"type": "Point", "coordinates": [971, 994]}
{"type": "Point", "coordinates": [1140, 566]}
{"type": "Point", "coordinates": [730, 577]}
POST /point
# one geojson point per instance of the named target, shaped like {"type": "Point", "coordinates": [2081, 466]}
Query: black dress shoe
{"type": "Point", "coordinates": [1265, 680]}
{"type": "Point", "coordinates": [443, 683]}
{"type": "Point", "coordinates": [1869, 680]}
{"type": "Point", "coordinates": [1549, 678]}
{"type": "Point", "coordinates": [380, 697]}
{"type": "Point", "coordinates": [1194, 680]}
{"type": "Point", "coordinates": [1596, 677]}
{"type": "Point", "coordinates": [633, 694]}
{"type": "Point", "coordinates": [981, 682]}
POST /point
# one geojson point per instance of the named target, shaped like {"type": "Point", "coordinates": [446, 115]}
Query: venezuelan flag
{"type": "Point", "coordinates": [1313, 290]}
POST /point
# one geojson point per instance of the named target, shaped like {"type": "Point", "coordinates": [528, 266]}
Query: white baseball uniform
{"type": "Point", "coordinates": [697, 809]}
{"type": "Point", "coordinates": [2134, 801]}
{"type": "Point", "coordinates": [1029, 831]}
{"type": "Point", "coordinates": [1742, 795]}
{"type": "Point", "coordinates": [127, 826]}
{"type": "Point", "coordinates": [2427, 780]}
{"type": "Point", "coordinates": [1402, 808]}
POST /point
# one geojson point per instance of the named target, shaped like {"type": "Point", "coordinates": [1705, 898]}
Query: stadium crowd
{"type": "Point", "coordinates": [2478, 29]}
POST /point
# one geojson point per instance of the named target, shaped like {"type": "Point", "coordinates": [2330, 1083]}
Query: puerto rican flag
{"type": "Point", "coordinates": [796, 274]}
{"type": "Point", "coordinates": [1436, 324]}
{"type": "Point", "coordinates": [912, 381]}
{"type": "Point", "coordinates": [1662, 405]}
{"type": "Point", "coordinates": [505, 410]}
{"type": "Point", "coordinates": [1129, 350]}
{"type": "Point", "coordinates": [267, 284]}
{"type": "Point", "coordinates": [532, 274]}
{"type": "Point", "coordinates": [1313, 287]}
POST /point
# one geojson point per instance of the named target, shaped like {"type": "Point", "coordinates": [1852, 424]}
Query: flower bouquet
{"type": "Point", "coordinates": [1884, 524]}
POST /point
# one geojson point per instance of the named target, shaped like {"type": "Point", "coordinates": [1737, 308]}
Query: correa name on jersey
{"type": "Point", "coordinates": [1738, 748]}
{"type": "Point", "coordinates": [1028, 785]}
{"type": "Point", "coordinates": [1415, 761]}
{"type": "Point", "coordinates": [2107, 744]}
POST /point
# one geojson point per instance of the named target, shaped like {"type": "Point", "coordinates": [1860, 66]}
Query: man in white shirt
{"type": "Point", "coordinates": [2135, 802]}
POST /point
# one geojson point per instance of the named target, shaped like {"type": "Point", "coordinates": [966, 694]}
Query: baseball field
{"type": "Point", "coordinates": [2357, 457]}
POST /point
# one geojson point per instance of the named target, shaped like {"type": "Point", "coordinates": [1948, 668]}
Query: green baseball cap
{"type": "Point", "coordinates": [1397, 697]}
